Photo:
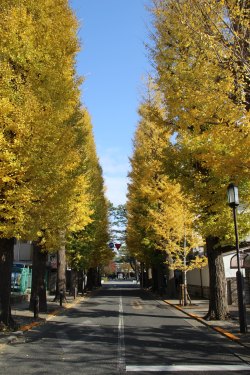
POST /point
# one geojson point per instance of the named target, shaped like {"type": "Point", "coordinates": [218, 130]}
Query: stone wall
{"type": "Point", "coordinates": [198, 291]}
{"type": "Point", "coordinates": [232, 296]}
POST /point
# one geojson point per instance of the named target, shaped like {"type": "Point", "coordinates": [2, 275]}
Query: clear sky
{"type": "Point", "coordinates": [114, 62]}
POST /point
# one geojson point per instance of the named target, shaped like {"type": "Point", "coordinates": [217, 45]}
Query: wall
{"type": "Point", "coordinates": [23, 252]}
{"type": "Point", "coordinates": [198, 281]}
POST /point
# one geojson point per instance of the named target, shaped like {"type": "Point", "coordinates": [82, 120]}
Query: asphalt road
{"type": "Point", "coordinates": [123, 330]}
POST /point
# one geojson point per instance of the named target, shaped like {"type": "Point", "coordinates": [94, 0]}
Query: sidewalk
{"type": "Point", "coordinates": [25, 318]}
{"type": "Point", "coordinates": [229, 328]}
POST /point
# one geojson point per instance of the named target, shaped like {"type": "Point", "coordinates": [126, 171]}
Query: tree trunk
{"type": "Point", "coordinates": [158, 272]}
{"type": "Point", "coordinates": [154, 278]}
{"type": "Point", "coordinates": [143, 276]}
{"type": "Point", "coordinates": [147, 282]}
{"type": "Point", "coordinates": [61, 274]}
{"type": "Point", "coordinates": [73, 281]}
{"type": "Point", "coordinates": [38, 288]}
{"type": "Point", "coordinates": [99, 277]}
{"type": "Point", "coordinates": [96, 279]}
{"type": "Point", "coordinates": [171, 285]}
{"type": "Point", "coordinates": [92, 278]}
{"type": "Point", "coordinates": [218, 307]}
{"type": "Point", "coordinates": [80, 282]}
{"type": "Point", "coordinates": [90, 283]}
{"type": "Point", "coordinates": [6, 262]}
{"type": "Point", "coordinates": [160, 279]}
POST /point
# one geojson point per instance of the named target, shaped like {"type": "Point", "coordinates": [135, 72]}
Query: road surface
{"type": "Point", "coordinates": [121, 329]}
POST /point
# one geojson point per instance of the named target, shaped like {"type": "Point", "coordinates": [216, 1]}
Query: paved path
{"type": "Point", "coordinates": [122, 329]}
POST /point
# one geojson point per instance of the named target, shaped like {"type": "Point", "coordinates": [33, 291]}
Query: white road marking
{"type": "Point", "coordinates": [176, 368]}
{"type": "Point", "coordinates": [121, 343]}
{"type": "Point", "coordinates": [88, 322]}
{"type": "Point", "coordinates": [136, 305]}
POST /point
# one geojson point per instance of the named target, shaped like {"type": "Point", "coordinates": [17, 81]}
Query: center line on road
{"type": "Point", "coordinates": [121, 343]}
{"type": "Point", "coordinates": [194, 367]}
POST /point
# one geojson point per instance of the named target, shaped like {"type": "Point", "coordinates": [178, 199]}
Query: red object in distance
{"type": "Point", "coordinates": [117, 245]}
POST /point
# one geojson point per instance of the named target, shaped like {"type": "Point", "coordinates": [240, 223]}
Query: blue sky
{"type": "Point", "coordinates": [114, 62]}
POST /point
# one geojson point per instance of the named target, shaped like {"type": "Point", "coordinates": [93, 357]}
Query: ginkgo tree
{"type": "Point", "coordinates": [187, 250]}
{"type": "Point", "coordinates": [70, 204]}
{"type": "Point", "coordinates": [40, 179]}
{"type": "Point", "coordinates": [87, 245]}
{"type": "Point", "coordinates": [204, 86]}
{"type": "Point", "coordinates": [158, 211]}
{"type": "Point", "coordinates": [144, 176]}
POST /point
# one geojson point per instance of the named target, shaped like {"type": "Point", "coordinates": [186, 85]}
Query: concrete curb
{"type": "Point", "coordinates": [220, 330]}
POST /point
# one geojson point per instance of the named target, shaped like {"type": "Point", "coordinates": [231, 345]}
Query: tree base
{"type": "Point", "coordinates": [211, 315]}
{"type": "Point", "coordinates": [8, 323]}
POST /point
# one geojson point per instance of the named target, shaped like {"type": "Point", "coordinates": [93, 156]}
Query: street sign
{"type": "Point", "coordinates": [111, 245]}
{"type": "Point", "coordinates": [117, 245]}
